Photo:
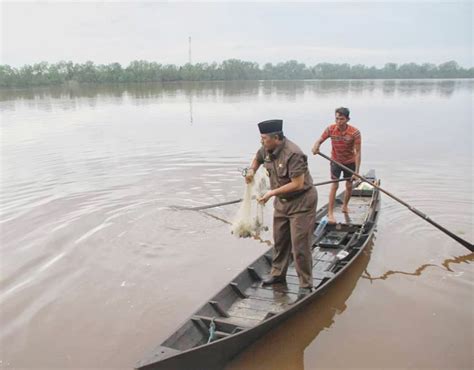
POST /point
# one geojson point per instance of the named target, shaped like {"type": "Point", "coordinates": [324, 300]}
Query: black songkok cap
{"type": "Point", "coordinates": [270, 126]}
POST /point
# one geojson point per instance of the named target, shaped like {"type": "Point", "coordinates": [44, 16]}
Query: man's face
{"type": "Point", "coordinates": [269, 142]}
{"type": "Point", "coordinates": [341, 120]}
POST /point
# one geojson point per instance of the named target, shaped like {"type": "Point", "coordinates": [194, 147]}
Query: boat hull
{"type": "Point", "coordinates": [231, 308]}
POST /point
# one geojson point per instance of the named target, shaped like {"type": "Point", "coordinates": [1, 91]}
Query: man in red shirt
{"type": "Point", "coordinates": [346, 147]}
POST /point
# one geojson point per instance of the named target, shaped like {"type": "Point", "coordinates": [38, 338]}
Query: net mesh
{"type": "Point", "coordinates": [249, 218]}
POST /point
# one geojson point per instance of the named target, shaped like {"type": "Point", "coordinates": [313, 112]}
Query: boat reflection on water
{"type": "Point", "coordinates": [283, 348]}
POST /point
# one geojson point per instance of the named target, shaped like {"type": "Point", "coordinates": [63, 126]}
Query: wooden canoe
{"type": "Point", "coordinates": [243, 310]}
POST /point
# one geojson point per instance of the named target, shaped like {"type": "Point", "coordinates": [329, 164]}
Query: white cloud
{"type": "Point", "coordinates": [368, 33]}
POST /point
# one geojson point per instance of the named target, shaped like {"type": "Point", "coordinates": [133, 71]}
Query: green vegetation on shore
{"type": "Point", "coordinates": [43, 73]}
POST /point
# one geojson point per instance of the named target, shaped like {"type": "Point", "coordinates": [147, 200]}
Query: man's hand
{"type": "Point", "coordinates": [315, 149]}
{"type": "Point", "coordinates": [249, 176]}
{"type": "Point", "coordinates": [354, 178]}
{"type": "Point", "coordinates": [265, 197]}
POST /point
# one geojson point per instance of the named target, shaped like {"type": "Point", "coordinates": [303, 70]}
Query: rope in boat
{"type": "Point", "coordinates": [212, 331]}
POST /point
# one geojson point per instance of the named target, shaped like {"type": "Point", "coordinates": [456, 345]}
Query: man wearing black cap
{"type": "Point", "coordinates": [294, 205]}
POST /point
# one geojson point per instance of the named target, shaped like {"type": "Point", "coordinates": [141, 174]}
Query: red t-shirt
{"type": "Point", "coordinates": [342, 142]}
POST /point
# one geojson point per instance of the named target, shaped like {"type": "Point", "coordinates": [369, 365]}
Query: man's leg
{"type": "Point", "coordinates": [335, 174]}
{"type": "Point", "coordinates": [282, 246]}
{"type": "Point", "coordinates": [347, 197]}
{"type": "Point", "coordinates": [332, 199]}
{"type": "Point", "coordinates": [348, 194]}
{"type": "Point", "coordinates": [302, 226]}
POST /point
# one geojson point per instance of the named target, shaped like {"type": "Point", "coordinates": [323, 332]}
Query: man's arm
{"type": "Point", "coordinates": [322, 139]}
{"type": "Point", "coordinates": [296, 183]}
{"type": "Point", "coordinates": [358, 157]}
{"type": "Point", "coordinates": [254, 166]}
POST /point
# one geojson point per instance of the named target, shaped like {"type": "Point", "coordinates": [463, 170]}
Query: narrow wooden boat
{"type": "Point", "coordinates": [244, 310]}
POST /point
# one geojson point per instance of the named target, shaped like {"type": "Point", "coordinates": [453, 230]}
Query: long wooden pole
{"type": "Point", "coordinates": [460, 240]}
{"type": "Point", "coordinates": [200, 208]}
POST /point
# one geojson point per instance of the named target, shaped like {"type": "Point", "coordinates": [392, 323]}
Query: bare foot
{"type": "Point", "coordinates": [331, 219]}
{"type": "Point", "coordinates": [345, 209]}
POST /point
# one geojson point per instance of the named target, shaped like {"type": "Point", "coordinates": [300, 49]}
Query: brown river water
{"type": "Point", "coordinates": [96, 269]}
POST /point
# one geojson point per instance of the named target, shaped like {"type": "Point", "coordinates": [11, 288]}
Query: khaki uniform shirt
{"type": "Point", "coordinates": [287, 161]}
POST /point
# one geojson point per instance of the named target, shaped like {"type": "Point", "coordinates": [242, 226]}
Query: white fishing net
{"type": "Point", "coordinates": [249, 219]}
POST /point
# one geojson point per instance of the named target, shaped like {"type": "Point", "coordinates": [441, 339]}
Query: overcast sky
{"type": "Point", "coordinates": [370, 33]}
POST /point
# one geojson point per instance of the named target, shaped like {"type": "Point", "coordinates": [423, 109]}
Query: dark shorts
{"type": "Point", "coordinates": [336, 170]}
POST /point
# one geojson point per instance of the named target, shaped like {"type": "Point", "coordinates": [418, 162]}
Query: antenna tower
{"type": "Point", "coordinates": [190, 60]}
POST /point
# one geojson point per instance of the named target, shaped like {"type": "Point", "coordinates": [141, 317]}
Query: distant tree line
{"type": "Point", "coordinates": [233, 69]}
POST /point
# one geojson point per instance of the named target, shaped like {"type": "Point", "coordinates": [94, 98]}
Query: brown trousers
{"type": "Point", "coordinates": [293, 226]}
